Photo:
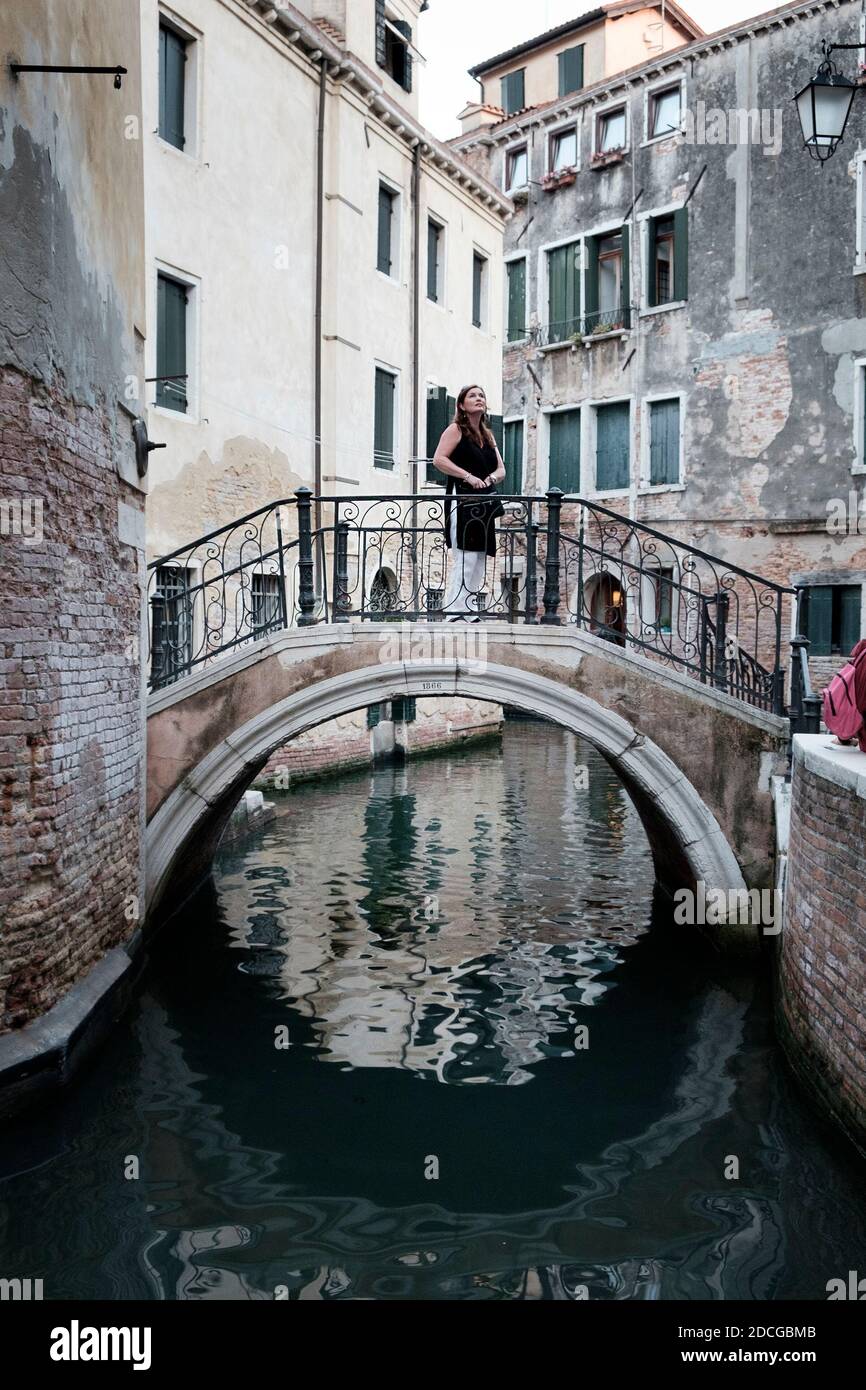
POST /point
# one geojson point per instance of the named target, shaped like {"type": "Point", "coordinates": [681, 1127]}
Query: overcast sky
{"type": "Point", "coordinates": [454, 35]}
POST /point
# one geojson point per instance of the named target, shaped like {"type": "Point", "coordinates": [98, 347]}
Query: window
{"type": "Point", "coordinates": [563, 150]}
{"type": "Point", "coordinates": [172, 83]}
{"type": "Point", "coordinates": [563, 292]}
{"type": "Point", "coordinates": [266, 609]}
{"type": "Point", "coordinates": [606, 300]}
{"type": "Point", "coordinates": [664, 582]}
{"type": "Point", "coordinates": [375, 714]}
{"type": "Point", "coordinates": [564, 450]}
{"type": "Point", "coordinates": [383, 418]}
{"type": "Point", "coordinates": [611, 131]}
{"type": "Point", "coordinates": [664, 449]}
{"type": "Point", "coordinates": [403, 709]}
{"type": "Point", "coordinates": [393, 51]}
{"type": "Point", "coordinates": [612, 446]}
{"type": "Point", "coordinates": [830, 616]}
{"type": "Point", "coordinates": [387, 199]}
{"type": "Point", "coordinates": [440, 412]}
{"type": "Point", "coordinates": [171, 619]}
{"type": "Point", "coordinates": [435, 234]}
{"type": "Point", "coordinates": [512, 457]}
{"type": "Point", "coordinates": [667, 258]}
{"type": "Point", "coordinates": [665, 109]}
{"type": "Point", "coordinates": [172, 299]}
{"type": "Point", "coordinates": [516, 272]}
{"type": "Point", "coordinates": [479, 287]}
{"type": "Point", "coordinates": [516, 168]}
{"type": "Point", "coordinates": [383, 592]}
{"type": "Point", "coordinates": [512, 92]}
{"type": "Point", "coordinates": [860, 231]}
{"type": "Point", "coordinates": [570, 70]}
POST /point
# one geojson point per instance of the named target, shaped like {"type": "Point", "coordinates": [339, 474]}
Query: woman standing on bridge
{"type": "Point", "coordinates": [467, 453]}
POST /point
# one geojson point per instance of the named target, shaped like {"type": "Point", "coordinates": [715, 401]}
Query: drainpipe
{"type": "Point", "coordinates": [317, 383]}
{"type": "Point", "coordinates": [416, 309]}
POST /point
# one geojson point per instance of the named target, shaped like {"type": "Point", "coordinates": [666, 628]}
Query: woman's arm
{"type": "Point", "coordinates": [442, 457]}
{"type": "Point", "coordinates": [500, 469]}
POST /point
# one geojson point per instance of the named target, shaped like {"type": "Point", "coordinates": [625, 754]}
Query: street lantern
{"type": "Point", "coordinates": [824, 105]}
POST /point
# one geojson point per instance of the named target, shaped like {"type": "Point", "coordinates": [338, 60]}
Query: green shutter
{"type": "Point", "coordinates": [571, 70]}
{"type": "Point", "coordinates": [612, 447]}
{"type": "Point", "coordinates": [513, 92]}
{"type": "Point", "coordinates": [381, 34]}
{"type": "Point", "coordinates": [664, 427]}
{"type": "Point", "coordinates": [383, 259]}
{"type": "Point", "coordinates": [374, 715]}
{"type": "Point", "coordinates": [436, 423]}
{"type": "Point", "coordinates": [849, 618]}
{"type": "Point", "coordinates": [477, 268]}
{"type": "Point", "coordinates": [383, 420]}
{"type": "Point", "coordinates": [495, 422]}
{"type": "Point", "coordinates": [516, 300]}
{"type": "Point", "coordinates": [564, 467]}
{"type": "Point", "coordinates": [406, 31]}
{"type": "Point", "coordinates": [626, 279]}
{"type": "Point", "coordinates": [171, 302]}
{"type": "Point", "coordinates": [651, 263]}
{"type": "Point", "coordinates": [681, 253]}
{"type": "Point", "coordinates": [512, 457]}
{"type": "Point", "coordinates": [819, 619]}
{"type": "Point", "coordinates": [563, 287]}
{"type": "Point", "coordinates": [432, 260]}
{"type": "Point", "coordinates": [590, 283]}
{"type": "Point", "coordinates": [403, 709]}
{"type": "Point", "coordinates": [172, 62]}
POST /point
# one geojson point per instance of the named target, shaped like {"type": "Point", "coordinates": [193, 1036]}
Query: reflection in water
{"type": "Point", "coordinates": [476, 919]}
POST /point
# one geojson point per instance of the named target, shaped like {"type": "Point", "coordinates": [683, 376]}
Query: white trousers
{"type": "Point", "coordinates": [466, 577]}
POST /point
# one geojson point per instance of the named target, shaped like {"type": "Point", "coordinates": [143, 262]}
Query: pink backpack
{"type": "Point", "coordinates": [841, 714]}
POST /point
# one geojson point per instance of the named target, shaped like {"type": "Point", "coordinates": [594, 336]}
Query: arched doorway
{"type": "Point", "coordinates": [383, 591]}
{"type": "Point", "coordinates": [604, 604]}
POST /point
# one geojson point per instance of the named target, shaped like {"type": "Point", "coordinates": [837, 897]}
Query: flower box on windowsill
{"type": "Point", "coordinates": [602, 158]}
{"type": "Point", "coordinates": [520, 195]}
{"type": "Point", "coordinates": [561, 179]}
{"type": "Point", "coordinates": [600, 335]}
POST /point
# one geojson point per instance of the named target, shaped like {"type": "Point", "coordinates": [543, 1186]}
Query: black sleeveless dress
{"type": "Point", "coordinates": [476, 510]}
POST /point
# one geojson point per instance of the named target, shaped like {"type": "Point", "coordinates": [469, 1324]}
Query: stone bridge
{"type": "Point", "coordinates": [696, 761]}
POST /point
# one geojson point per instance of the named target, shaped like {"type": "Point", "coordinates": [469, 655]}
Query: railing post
{"type": "Point", "coordinates": [812, 709]}
{"type": "Point", "coordinates": [723, 600]}
{"type": "Point", "coordinates": [551, 559]}
{"type": "Point", "coordinates": [796, 709]}
{"type": "Point", "coordinates": [284, 610]}
{"type": "Point", "coordinates": [531, 556]}
{"type": "Point", "coordinates": [306, 594]}
{"type": "Point", "coordinates": [578, 598]}
{"type": "Point", "coordinates": [341, 569]}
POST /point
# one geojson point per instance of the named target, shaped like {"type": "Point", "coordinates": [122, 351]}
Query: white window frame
{"type": "Point", "coordinates": [590, 437]}
{"type": "Point", "coordinates": [859, 464]}
{"type": "Point", "coordinates": [654, 89]}
{"type": "Point", "coordinates": [606, 109]}
{"type": "Point", "coordinates": [484, 326]}
{"type": "Point", "coordinates": [562, 128]}
{"type": "Point", "coordinates": [193, 284]}
{"type": "Point", "coordinates": [192, 84]}
{"type": "Point", "coordinates": [647, 310]}
{"type": "Point", "coordinates": [542, 454]}
{"type": "Point", "coordinates": [393, 371]}
{"type": "Point", "coordinates": [514, 342]}
{"type": "Point", "coordinates": [441, 278]}
{"type": "Point", "coordinates": [513, 420]}
{"type": "Point", "coordinates": [396, 230]}
{"type": "Point", "coordinates": [194, 570]}
{"type": "Point", "coordinates": [860, 229]}
{"type": "Point", "coordinates": [510, 148]}
{"type": "Point", "coordinates": [645, 487]}
{"type": "Point", "coordinates": [607, 228]}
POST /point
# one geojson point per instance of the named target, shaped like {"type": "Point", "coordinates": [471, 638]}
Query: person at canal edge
{"type": "Point", "coordinates": [858, 694]}
{"type": "Point", "coordinates": [467, 453]}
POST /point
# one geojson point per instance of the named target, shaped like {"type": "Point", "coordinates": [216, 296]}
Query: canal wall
{"type": "Point", "coordinates": [821, 957]}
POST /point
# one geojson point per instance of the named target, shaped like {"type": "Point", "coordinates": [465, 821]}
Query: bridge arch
{"type": "Point", "coordinates": [183, 832]}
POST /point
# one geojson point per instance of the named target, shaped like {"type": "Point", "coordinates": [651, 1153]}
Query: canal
{"type": "Point", "coordinates": [432, 1034]}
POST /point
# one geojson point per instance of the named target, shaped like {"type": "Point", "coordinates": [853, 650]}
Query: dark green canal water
{"type": "Point", "coordinates": [507, 1075]}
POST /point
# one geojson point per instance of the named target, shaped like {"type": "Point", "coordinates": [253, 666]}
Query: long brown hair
{"type": "Point", "coordinates": [461, 419]}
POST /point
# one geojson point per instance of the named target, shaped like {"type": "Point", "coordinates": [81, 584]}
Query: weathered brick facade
{"type": "Point", "coordinates": [821, 964]}
{"type": "Point", "coordinates": [69, 702]}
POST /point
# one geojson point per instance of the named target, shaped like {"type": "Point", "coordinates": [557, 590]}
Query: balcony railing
{"type": "Point", "coordinates": [580, 327]}
{"type": "Point", "coordinates": [559, 560]}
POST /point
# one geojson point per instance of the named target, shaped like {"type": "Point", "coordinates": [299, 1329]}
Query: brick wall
{"type": "Point", "coordinates": [821, 962]}
{"type": "Point", "coordinates": [345, 742]}
{"type": "Point", "coordinates": [71, 726]}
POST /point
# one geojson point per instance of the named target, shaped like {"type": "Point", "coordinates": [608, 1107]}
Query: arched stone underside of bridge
{"type": "Point", "coordinates": [696, 762]}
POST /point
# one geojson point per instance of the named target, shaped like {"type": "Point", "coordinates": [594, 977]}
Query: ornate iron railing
{"type": "Point", "coordinates": [559, 560]}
